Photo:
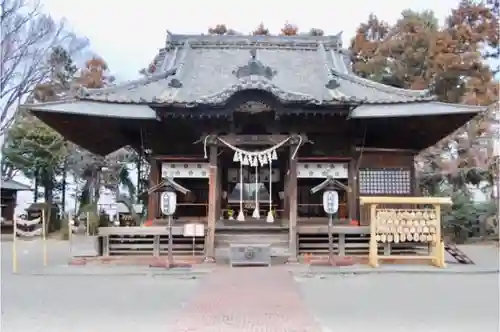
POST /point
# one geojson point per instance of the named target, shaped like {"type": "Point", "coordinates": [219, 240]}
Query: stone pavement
{"type": "Point", "coordinates": [247, 299]}
{"type": "Point", "coordinates": [218, 298]}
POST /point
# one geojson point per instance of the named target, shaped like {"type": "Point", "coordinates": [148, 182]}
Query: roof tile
{"type": "Point", "coordinates": [201, 69]}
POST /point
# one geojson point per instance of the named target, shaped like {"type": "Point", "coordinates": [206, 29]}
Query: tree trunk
{"type": "Point", "coordinates": [138, 194]}
{"type": "Point", "coordinates": [35, 192]}
{"type": "Point", "coordinates": [48, 185]}
{"type": "Point", "coordinates": [63, 194]}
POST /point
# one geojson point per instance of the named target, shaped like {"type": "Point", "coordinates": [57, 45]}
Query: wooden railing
{"type": "Point", "coordinates": [406, 219]}
{"type": "Point", "coordinates": [342, 213]}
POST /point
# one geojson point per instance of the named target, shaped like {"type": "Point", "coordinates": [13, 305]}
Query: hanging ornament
{"type": "Point", "coordinates": [245, 160]}
{"type": "Point", "coordinates": [236, 157]}
{"type": "Point", "coordinates": [256, 211]}
{"type": "Point", "coordinates": [270, 215]}
{"type": "Point", "coordinates": [275, 155]}
{"type": "Point", "coordinates": [241, 215]}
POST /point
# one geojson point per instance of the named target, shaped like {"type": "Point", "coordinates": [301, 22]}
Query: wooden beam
{"type": "Point", "coordinates": [352, 182]}
{"type": "Point", "coordinates": [235, 140]}
{"type": "Point", "coordinates": [370, 149]}
{"type": "Point", "coordinates": [154, 180]}
{"type": "Point", "coordinates": [212, 204]}
{"type": "Point", "coordinates": [292, 192]}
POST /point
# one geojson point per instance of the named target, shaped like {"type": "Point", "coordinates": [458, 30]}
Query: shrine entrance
{"type": "Point", "coordinates": [253, 188]}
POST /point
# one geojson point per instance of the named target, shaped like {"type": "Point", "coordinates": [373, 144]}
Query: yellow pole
{"type": "Point", "coordinates": [44, 238]}
{"type": "Point", "coordinates": [70, 235]}
{"type": "Point", "coordinates": [14, 246]}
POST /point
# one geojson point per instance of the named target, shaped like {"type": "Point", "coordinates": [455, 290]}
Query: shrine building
{"type": "Point", "coordinates": [249, 125]}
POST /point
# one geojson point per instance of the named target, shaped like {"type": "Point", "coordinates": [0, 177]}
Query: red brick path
{"type": "Point", "coordinates": [246, 299]}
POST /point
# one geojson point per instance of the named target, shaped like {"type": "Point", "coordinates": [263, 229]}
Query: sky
{"type": "Point", "coordinates": [128, 34]}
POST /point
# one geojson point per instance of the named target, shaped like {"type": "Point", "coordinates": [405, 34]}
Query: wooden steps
{"type": "Point", "coordinates": [458, 254]}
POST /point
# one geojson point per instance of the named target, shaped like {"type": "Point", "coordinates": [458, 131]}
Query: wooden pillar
{"type": "Point", "coordinates": [212, 205]}
{"type": "Point", "coordinates": [286, 199]}
{"type": "Point", "coordinates": [292, 192]}
{"type": "Point", "coordinates": [153, 198]}
{"type": "Point", "coordinates": [352, 182]}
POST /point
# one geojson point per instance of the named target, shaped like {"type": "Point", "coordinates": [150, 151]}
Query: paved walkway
{"type": "Point", "coordinates": [246, 299]}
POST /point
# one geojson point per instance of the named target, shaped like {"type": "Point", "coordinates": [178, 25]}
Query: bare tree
{"type": "Point", "coordinates": [27, 37]}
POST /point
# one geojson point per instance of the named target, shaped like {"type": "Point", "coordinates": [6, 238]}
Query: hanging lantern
{"type": "Point", "coordinates": [236, 157]}
{"type": "Point", "coordinates": [275, 155]}
{"type": "Point", "coordinates": [245, 161]}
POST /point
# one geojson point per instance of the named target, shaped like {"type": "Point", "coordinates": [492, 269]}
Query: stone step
{"type": "Point", "coordinates": [223, 253]}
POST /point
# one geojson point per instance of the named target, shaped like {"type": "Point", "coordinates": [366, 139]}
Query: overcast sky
{"type": "Point", "coordinates": [128, 34]}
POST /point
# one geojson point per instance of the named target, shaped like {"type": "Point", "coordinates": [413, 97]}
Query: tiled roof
{"type": "Point", "coordinates": [198, 69]}
{"type": "Point", "coordinates": [13, 185]}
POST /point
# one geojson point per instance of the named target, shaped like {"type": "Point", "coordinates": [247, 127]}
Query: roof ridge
{"type": "Point", "coordinates": [224, 40]}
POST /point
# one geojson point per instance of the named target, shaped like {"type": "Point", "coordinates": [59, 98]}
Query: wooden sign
{"type": "Point", "coordinates": [194, 230]}
{"type": "Point", "coordinates": [184, 170]}
{"type": "Point", "coordinates": [314, 170]}
{"type": "Point", "coordinates": [84, 246]}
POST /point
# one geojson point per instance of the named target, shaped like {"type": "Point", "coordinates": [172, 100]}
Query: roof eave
{"type": "Point", "coordinates": [94, 108]}
{"type": "Point", "coordinates": [411, 109]}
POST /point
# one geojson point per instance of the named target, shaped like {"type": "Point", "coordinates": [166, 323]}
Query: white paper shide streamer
{"type": "Point", "coordinates": [255, 159]}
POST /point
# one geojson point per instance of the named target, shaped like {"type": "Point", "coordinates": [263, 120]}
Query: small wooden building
{"type": "Point", "coordinates": [249, 124]}
{"type": "Point", "coordinates": [9, 189]}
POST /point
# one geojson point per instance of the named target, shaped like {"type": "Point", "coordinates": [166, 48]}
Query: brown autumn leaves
{"type": "Point", "coordinates": [450, 59]}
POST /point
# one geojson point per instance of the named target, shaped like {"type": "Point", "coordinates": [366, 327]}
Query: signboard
{"type": "Point", "coordinates": [194, 230]}
{"type": "Point", "coordinates": [184, 170]}
{"type": "Point", "coordinates": [84, 246]}
{"type": "Point", "coordinates": [314, 170]}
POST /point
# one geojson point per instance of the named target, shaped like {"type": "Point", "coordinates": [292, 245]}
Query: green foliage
{"type": "Point", "coordinates": [32, 145]}
{"type": "Point", "coordinates": [467, 218]}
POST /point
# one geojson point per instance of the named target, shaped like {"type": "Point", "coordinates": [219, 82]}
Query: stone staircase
{"type": "Point", "coordinates": [277, 239]}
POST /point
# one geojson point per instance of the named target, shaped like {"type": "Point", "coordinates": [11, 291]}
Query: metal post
{"type": "Point", "coordinates": [170, 242]}
{"type": "Point", "coordinates": [330, 238]}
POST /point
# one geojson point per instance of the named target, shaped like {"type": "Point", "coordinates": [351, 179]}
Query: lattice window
{"type": "Point", "coordinates": [387, 181]}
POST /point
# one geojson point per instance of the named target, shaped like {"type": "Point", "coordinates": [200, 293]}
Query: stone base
{"type": "Point", "coordinates": [209, 260]}
{"type": "Point", "coordinates": [292, 260]}
{"type": "Point", "coordinates": [334, 261]}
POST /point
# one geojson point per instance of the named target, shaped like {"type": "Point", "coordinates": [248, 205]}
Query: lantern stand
{"type": "Point", "coordinates": [168, 205]}
{"type": "Point", "coordinates": [330, 205]}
